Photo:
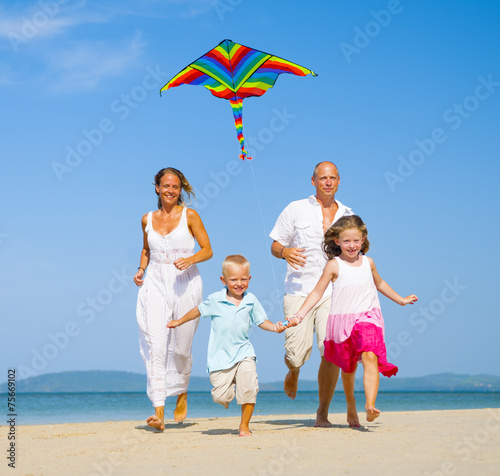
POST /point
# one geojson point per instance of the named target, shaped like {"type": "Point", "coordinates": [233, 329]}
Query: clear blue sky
{"type": "Point", "coordinates": [406, 102]}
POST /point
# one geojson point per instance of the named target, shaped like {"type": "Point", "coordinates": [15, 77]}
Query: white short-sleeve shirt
{"type": "Point", "coordinates": [300, 225]}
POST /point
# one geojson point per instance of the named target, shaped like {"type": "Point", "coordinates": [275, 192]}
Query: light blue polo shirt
{"type": "Point", "coordinates": [229, 343]}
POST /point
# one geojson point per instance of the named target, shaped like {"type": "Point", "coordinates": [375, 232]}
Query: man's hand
{"type": "Point", "coordinates": [294, 257]}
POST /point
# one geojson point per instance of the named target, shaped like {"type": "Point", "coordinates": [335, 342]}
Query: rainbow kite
{"type": "Point", "coordinates": [232, 71]}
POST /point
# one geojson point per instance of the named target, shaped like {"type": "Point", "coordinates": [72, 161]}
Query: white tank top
{"type": "Point", "coordinates": [165, 249]}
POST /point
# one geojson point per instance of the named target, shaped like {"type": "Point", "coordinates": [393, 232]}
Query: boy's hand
{"type": "Point", "coordinates": [409, 299]}
{"type": "Point", "coordinates": [174, 323]}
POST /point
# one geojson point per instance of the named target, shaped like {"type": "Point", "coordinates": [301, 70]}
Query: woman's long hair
{"type": "Point", "coordinates": [185, 185]}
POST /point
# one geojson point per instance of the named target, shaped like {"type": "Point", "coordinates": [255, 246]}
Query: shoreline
{"type": "Point", "coordinates": [235, 414]}
{"type": "Point", "coordinates": [410, 442]}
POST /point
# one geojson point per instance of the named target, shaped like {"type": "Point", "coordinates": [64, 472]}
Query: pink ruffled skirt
{"type": "Point", "coordinates": [364, 337]}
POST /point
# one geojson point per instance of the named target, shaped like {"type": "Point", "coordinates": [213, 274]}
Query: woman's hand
{"type": "Point", "coordinates": [173, 323]}
{"type": "Point", "coordinates": [138, 278]}
{"type": "Point", "coordinates": [183, 263]}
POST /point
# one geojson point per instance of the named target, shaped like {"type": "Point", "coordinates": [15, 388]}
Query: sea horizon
{"type": "Point", "coordinates": [80, 407]}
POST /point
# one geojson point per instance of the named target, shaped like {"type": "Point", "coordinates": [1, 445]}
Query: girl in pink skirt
{"type": "Point", "coordinates": [355, 328]}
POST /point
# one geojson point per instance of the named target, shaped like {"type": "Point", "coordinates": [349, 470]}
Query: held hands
{"type": "Point", "coordinates": [294, 257]}
{"type": "Point", "coordinates": [174, 323]}
{"type": "Point", "coordinates": [409, 300]}
{"type": "Point", "coordinates": [290, 321]}
{"type": "Point", "coordinates": [279, 327]}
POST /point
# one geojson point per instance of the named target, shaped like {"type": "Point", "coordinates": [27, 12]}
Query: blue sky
{"type": "Point", "coordinates": [406, 102]}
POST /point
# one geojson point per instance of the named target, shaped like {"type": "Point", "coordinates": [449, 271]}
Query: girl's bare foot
{"type": "Point", "coordinates": [181, 408]}
{"type": "Point", "coordinates": [156, 423]}
{"type": "Point", "coordinates": [371, 413]}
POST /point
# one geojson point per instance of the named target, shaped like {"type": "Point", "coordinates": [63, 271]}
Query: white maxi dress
{"type": "Point", "coordinates": [167, 293]}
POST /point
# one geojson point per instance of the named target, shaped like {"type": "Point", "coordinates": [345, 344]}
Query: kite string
{"type": "Point", "coordinates": [263, 224]}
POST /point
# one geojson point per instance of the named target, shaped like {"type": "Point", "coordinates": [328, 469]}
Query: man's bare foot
{"type": "Point", "coordinates": [371, 413]}
{"type": "Point", "coordinates": [352, 416]}
{"type": "Point", "coordinates": [291, 383]}
{"type": "Point", "coordinates": [156, 423]}
{"type": "Point", "coordinates": [225, 405]}
{"type": "Point", "coordinates": [181, 408]}
{"type": "Point", "coordinates": [245, 431]}
{"type": "Point", "coordinates": [322, 421]}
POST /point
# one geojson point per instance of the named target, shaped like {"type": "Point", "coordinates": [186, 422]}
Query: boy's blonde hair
{"type": "Point", "coordinates": [234, 260]}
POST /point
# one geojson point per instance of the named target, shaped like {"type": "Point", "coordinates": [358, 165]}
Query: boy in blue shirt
{"type": "Point", "coordinates": [231, 356]}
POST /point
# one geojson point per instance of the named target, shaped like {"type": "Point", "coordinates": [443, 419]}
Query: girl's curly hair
{"type": "Point", "coordinates": [342, 224]}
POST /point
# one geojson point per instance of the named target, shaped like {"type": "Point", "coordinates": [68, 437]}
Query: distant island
{"type": "Point", "coordinates": [116, 381]}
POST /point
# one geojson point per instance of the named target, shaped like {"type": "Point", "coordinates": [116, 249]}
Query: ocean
{"type": "Point", "coordinates": [52, 408]}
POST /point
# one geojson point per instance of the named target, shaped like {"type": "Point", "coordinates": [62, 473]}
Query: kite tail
{"type": "Point", "coordinates": [237, 105]}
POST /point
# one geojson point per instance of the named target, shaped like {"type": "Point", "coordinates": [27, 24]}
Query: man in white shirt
{"type": "Point", "coordinates": [298, 237]}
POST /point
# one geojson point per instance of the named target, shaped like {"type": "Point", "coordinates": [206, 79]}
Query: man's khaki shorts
{"type": "Point", "coordinates": [299, 339]}
{"type": "Point", "coordinates": [244, 375]}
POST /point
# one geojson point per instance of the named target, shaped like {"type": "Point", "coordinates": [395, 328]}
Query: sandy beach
{"type": "Point", "coordinates": [452, 442]}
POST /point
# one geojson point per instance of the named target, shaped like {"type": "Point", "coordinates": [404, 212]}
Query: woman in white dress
{"type": "Point", "coordinates": [171, 288]}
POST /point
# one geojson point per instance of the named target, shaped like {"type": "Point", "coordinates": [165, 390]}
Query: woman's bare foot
{"type": "Point", "coordinates": [245, 431]}
{"type": "Point", "coordinates": [291, 383]}
{"type": "Point", "coordinates": [352, 416]}
{"type": "Point", "coordinates": [181, 408]}
{"type": "Point", "coordinates": [156, 423]}
{"type": "Point", "coordinates": [371, 413]}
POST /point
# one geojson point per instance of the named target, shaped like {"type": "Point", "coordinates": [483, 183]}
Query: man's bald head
{"type": "Point", "coordinates": [323, 164]}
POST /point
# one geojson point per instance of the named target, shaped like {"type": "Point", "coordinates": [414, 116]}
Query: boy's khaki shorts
{"type": "Point", "coordinates": [244, 375]}
{"type": "Point", "coordinates": [299, 339]}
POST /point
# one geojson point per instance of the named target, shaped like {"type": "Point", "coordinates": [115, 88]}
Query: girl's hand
{"type": "Point", "coordinates": [182, 263]}
{"type": "Point", "coordinates": [138, 278]}
{"type": "Point", "coordinates": [173, 323]}
{"type": "Point", "coordinates": [409, 300]}
{"type": "Point", "coordinates": [293, 321]}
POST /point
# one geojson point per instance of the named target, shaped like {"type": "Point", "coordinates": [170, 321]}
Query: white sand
{"type": "Point", "coordinates": [455, 442]}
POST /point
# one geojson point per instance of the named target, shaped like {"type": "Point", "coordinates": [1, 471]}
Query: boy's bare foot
{"type": "Point", "coordinates": [181, 408]}
{"type": "Point", "coordinates": [225, 405]}
{"type": "Point", "coordinates": [245, 431]}
{"type": "Point", "coordinates": [322, 421]}
{"type": "Point", "coordinates": [291, 383]}
{"type": "Point", "coordinates": [156, 423]}
{"type": "Point", "coordinates": [371, 413]}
